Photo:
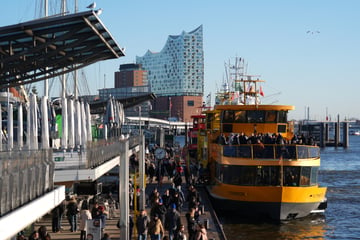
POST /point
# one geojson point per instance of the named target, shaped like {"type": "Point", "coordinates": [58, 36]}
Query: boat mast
{"type": "Point", "coordinates": [46, 82]}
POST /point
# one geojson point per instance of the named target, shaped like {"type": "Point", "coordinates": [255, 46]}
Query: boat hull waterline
{"type": "Point", "coordinates": [266, 206]}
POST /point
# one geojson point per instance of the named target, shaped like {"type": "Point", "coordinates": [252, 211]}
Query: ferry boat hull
{"type": "Point", "coordinates": [261, 203]}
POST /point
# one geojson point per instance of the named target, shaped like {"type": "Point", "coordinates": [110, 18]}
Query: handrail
{"type": "Point", "coordinates": [271, 151]}
{"type": "Point", "coordinates": [94, 154]}
{"type": "Point", "coordinates": [24, 176]}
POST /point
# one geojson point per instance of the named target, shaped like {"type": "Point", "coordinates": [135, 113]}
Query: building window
{"type": "Point", "coordinates": [190, 103]}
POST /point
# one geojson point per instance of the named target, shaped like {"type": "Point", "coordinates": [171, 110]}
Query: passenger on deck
{"type": "Point", "coordinates": [221, 139]}
{"type": "Point", "coordinates": [235, 139]}
{"type": "Point", "coordinates": [259, 149]}
{"type": "Point", "coordinates": [243, 138]}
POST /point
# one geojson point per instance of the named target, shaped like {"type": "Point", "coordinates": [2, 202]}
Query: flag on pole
{"type": "Point", "coordinates": [261, 91]}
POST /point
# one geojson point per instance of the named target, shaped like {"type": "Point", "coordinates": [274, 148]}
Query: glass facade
{"type": "Point", "coordinates": [178, 69]}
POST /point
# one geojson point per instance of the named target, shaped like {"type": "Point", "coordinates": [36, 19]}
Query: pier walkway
{"type": "Point", "coordinates": [214, 230]}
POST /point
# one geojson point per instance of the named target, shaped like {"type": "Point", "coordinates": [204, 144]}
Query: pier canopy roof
{"type": "Point", "coordinates": [48, 47]}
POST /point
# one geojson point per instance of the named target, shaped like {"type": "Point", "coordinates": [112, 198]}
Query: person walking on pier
{"type": "Point", "coordinates": [85, 215]}
{"type": "Point", "coordinates": [172, 221]}
{"type": "Point", "coordinates": [159, 209]}
{"type": "Point", "coordinates": [180, 235]}
{"type": "Point", "coordinates": [71, 213]}
{"type": "Point", "coordinates": [142, 225]}
{"type": "Point", "coordinates": [34, 236]}
{"type": "Point", "coordinates": [55, 217]}
{"type": "Point", "coordinates": [191, 223]}
{"type": "Point", "coordinates": [43, 233]}
{"type": "Point", "coordinates": [201, 233]}
{"type": "Point", "coordinates": [156, 229]}
{"type": "Point", "coordinates": [102, 217]}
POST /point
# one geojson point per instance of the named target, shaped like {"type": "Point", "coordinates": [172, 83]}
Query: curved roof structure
{"type": "Point", "coordinates": [48, 47]}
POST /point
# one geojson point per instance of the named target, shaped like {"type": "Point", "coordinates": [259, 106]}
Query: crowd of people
{"type": "Point", "coordinates": [163, 220]}
{"type": "Point", "coordinates": [267, 138]}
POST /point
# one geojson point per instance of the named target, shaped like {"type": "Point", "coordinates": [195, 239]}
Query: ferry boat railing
{"type": "Point", "coordinates": [24, 176]}
{"type": "Point", "coordinates": [271, 151]}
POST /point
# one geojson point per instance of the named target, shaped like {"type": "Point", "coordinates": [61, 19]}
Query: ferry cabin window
{"type": "Point", "coordinates": [259, 116]}
{"type": "Point", "coordinates": [255, 116]}
{"type": "Point", "coordinates": [291, 176]}
{"type": "Point", "coordinates": [282, 116]}
{"type": "Point", "coordinates": [249, 175]}
{"type": "Point", "coordinates": [240, 117]}
{"type": "Point", "coordinates": [305, 176]}
{"type": "Point", "coordinates": [270, 116]}
{"type": "Point", "coordinates": [266, 175]}
{"type": "Point", "coordinates": [228, 116]}
{"type": "Point", "coordinates": [314, 176]}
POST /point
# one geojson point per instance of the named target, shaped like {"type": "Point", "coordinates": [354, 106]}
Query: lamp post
{"type": "Point", "coordinates": [141, 165]}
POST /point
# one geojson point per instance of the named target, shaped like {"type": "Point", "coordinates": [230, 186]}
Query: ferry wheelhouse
{"type": "Point", "coordinates": [268, 176]}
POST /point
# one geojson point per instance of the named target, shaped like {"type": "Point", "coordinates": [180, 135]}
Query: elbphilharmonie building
{"type": "Point", "coordinates": [176, 73]}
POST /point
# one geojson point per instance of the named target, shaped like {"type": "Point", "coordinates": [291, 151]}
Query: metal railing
{"type": "Point", "coordinates": [24, 176]}
{"type": "Point", "coordinates": [271, 151]}
{"type": "Point", "coordinates": [95, 154]}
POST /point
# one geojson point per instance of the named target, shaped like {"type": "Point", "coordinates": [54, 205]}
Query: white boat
{"type": "Point", "coordinates": [355, 133]}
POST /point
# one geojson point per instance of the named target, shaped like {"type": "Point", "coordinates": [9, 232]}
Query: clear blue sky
{"type": "Point", "coordinates": [320, 71]}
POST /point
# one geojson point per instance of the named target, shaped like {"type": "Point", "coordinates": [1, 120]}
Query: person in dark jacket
{"type": "Point", "coordinates": [159, 209]}
{"type": "Point", "coordinates": [142, 225]}
{"type": "Point", "coordinates": [71, 213]}
{"type": "Point", "coordinates": [55, 217]}
{"type": "Point", "coordinates": [191, 223]}
{"type": "Point", "coordinates": [101, 215]}
{"type": "Point", "coordinates": [172, 221]}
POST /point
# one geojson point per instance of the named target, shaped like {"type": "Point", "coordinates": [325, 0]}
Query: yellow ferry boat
{"type": "Point", "coordinates": [257, 168]}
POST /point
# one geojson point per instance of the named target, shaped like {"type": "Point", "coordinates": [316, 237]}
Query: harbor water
{"type": "Point", "coordinates": [340, 172]}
